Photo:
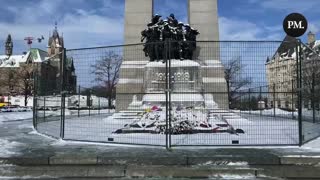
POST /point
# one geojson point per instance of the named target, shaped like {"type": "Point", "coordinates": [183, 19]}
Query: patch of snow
{"type": "Point", "coordinates": [235, 176]}
{"type": "Point", "coordinates": [35, 132]}
{"type": "Point", "coordinates": [302, 156]}
{"type": "Point", "coordinates": [174, 97]}
{"type": "Point", "coordinates": [314, 145]}
{"type": "Point", "coordinates": [238, 163]}
{"type": "Point", "coordinates": [316, 44]}
{"type": "Point", "coordinates": [174, 63]}
{"type": "Point", "coordinates": [6, 147]}
{"type": "Point", "coordinates": [134, 62]}
{"type": "Point", "coordinates": [128, 81]}
{"type": "Point", "coordinates": [271, 112]}
{"type": "Point", "coordinates": [213, 80]}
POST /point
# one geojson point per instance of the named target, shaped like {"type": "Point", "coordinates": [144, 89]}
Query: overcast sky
{"type": "Point", "coordinates": [87, 23]}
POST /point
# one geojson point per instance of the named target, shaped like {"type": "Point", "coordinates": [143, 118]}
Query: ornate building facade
{"type": "Point", "coordinates": [281, 75]}
{"type": "Point", "coordinates": [281, 72]}
{"type": "Point", "coordinates": [17, 71]}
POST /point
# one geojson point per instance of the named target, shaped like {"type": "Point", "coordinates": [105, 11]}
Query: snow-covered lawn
{"type": "Point", "coordinates": [13, 116]}
{"type": "Point", "coordinates": [258, 131]}
{"type": "Point", "coordinates": [272, 112]}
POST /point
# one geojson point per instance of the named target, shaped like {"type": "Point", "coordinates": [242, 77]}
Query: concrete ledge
{"type": "Point", "coordinates": [289, 171]}
{"type": "Point", "coordinates": [300, 160]}
{"type": "Point", "coordinates": [68, 160]}
{"type": "Point", "coordinates": [177, 160]}
{"type": "Point", "coordinates": [225, 160]}
{"type": "Point", "coordinates": [188, 172]}
{"type": "Point", "coordinates": [25, 161]}
{"type": "Point", "coordinates": [163, 171]}
{"type": "Point", "coordinates": [62, 171]}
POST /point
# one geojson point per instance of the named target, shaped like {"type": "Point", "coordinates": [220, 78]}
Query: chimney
{"type": "Point", "coordinates": [311, 37]}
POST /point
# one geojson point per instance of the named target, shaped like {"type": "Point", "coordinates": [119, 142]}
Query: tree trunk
{"type": "Point", "coordinates": [109, 101]}
{"type": "Point", "coordinates": [25, 98]}
{"type": "Point", "coordinates": [228, 90]}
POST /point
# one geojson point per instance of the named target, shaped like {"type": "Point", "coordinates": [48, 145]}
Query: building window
{"type": "Point", "coordinates": [287, 104]}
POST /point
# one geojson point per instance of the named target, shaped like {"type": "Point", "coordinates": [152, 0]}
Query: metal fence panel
{"type": "Point", "coordinates": [309, 68]}
{"type": "Point", "coordinates": [224, 93]}
{"type": "Point", "coordinates": [47, 92]}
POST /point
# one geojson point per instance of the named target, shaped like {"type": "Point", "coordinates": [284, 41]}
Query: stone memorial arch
{"type": "Point", "coordinates": [203, 16]}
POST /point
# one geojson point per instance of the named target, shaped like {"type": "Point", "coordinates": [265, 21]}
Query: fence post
{"type": "Point", "coordinates": [89, 101]}
{"type": "Point", "coordinates": [79, 100]}
{"type": "Point", "coordinates": [35, 114]}
{"type": "Point", "coordinates": [299, 85]}
{"type": "Point", "coordinates": [166, 94]}
{"type": "Point", "coordinates": [313, 99]}
{"type": "Point", "coordinates": [293, 109]}
{"type": "Point", "coordinates": [62, 92]}
{"type": "Point", "coordinates": [260, 99]}
{"type": "Point", "coordinates": [169, 92]}
{"type": "Point", "coordinates": [44, 109]}
{"type": "Point", "coordinates": [99, 106]}
{"type": "Point", "coordinates": [274, 100]}
{"type": "Point", "coordinates": [249, 101]}
{"type": "Point", "coordinates": [62, 115]}
{"type": "Point", "coordinates": [34, 109]}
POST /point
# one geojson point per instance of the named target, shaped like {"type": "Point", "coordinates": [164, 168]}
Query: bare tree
{"type": "Point", "coordinates": [107, 72]}
{"type": "Point", "coordinates": [18, 81]}
{"type": "Point", "coordinates": [8, 80]}
{"type": "Point", "coordinates": [310, 72]}
{"type": "Point", "coordinates": [235, 81]}
{"type": "Point", "coordinates": [24, 78]}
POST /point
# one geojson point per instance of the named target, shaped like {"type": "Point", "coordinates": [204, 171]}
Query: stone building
{"type": "Point", "coordinates": [17, 71]}
{"type": "Point", "coordinates": [55, 47]}
{"type": "Point", "coordinates": [281, 71]}
{"type": "Point", "coordinates": [281, 74]}
{"type": "Point", "coordinates": [310, 68]}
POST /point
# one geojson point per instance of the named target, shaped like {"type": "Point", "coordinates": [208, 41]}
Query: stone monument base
{"type": "Point", "coordinates": [193, 83]}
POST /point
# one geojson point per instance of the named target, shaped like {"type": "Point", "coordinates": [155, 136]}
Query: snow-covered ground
{"type": "Point", "coordinates": [258, 131]}
{"type": "Point", "coordinates": [314, 145]}
{"type": "Point", "coordinates": [6, 147]}
{"type": "Point", "coordinates": [13, 116]}
{"type": "Point", "coordinates": [272, 112]}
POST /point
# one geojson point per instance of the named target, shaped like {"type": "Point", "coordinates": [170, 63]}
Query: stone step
{"type": "Point", "coordinates": [130, 171]}
{"type": "Point", "coordinates": [219, 166]}
{"type": "Point", "coordinates": [156, 171]}
{"type": "Point", "coordinates": [159, 171]}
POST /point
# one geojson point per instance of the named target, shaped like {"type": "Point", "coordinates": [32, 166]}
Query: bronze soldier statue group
{"type": "Point", "coordinates": [168, 39]}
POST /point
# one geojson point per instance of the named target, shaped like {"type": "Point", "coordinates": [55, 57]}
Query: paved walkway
{"type": "Point", "coordinates": [20, 145]}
